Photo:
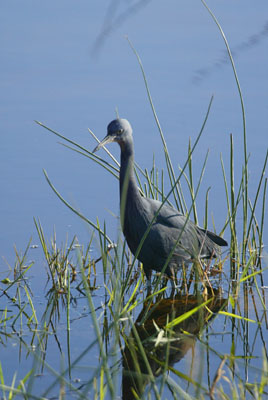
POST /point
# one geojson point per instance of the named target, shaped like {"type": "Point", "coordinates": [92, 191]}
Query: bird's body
{"type": "Point", "coordinates": [171, 231]}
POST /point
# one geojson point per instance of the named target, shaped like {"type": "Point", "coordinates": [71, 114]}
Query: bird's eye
{"type": "Point", "coordinates": [120, 131]}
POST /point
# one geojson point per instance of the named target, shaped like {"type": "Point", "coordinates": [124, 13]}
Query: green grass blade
{"type": "Point", "coordinates": [245, 205]}
{"type": "Point", "coordinates": [186, 315]}
{"type": "Point", "coordinates": [74, 210]}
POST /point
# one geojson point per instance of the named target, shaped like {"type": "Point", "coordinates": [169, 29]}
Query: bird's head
{"type": "Point", "coordinates": [119, 130]}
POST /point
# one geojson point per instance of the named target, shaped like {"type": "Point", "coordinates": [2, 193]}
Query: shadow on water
{"type": "Point", "coordinates": [164, 348]}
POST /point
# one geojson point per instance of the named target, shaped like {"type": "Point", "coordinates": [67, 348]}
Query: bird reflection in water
{"type": "Point", "coordinates": [173, 345]}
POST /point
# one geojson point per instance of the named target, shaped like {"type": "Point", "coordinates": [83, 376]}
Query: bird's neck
{"type": "Point", "coordinates": [128, 188]}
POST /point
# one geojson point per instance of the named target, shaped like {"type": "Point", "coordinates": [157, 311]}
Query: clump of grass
{"type": "Point", "coordinates": [58, 260]}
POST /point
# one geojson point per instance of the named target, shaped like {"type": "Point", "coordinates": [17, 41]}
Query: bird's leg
{"type": "Point", "coordinates": [149, 288]}
{"type": "Point", "coordinates": [171, 274]}
{"type": "Point", "coordinates": [148, 274]}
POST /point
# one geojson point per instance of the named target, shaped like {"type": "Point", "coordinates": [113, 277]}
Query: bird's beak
{"type": "Point", "coordinates": [106, 140]}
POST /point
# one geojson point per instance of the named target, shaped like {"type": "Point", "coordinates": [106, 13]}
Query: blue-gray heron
{"type": "Point", "coordinates": [169, 227]}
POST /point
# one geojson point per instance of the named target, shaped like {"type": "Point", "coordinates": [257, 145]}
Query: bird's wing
{"type": "Point", "coordinates": [173, 227]}
{"type": "Point", "coordinates": [167, 216]}
{"type": "Point", "coordinates": [170, 228]}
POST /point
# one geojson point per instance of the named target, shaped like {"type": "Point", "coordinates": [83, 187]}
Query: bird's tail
{"type": "Point", "coordinates": [215, 238]}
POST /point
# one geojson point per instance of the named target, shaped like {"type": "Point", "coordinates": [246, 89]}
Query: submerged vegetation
{"type": "Point", "coordinates": [205, 341]}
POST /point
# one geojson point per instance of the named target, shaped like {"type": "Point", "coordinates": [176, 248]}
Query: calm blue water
{"type": "Point", "coordinates": [52, 71]}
